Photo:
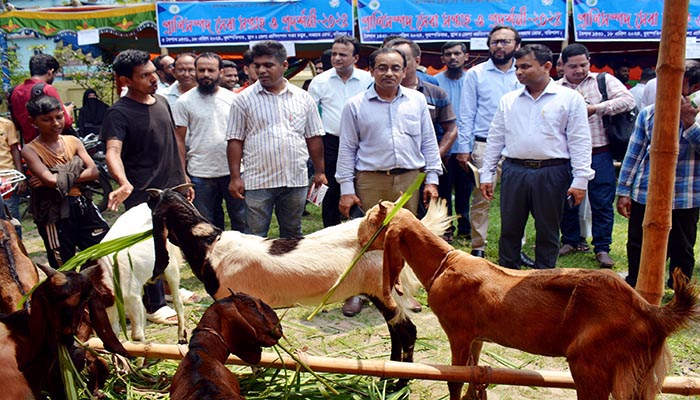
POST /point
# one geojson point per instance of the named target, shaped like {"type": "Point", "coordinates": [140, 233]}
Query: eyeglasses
{"type": "Point", "coordinates": [385, 68]}
{"type": "Point", "coordinates": [183, 71]}
{"type": "Point", "coordinates": [502, 42]}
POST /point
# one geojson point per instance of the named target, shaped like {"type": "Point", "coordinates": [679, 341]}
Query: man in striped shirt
{"type": "Point", "coordinates": [601, 190]}
{"type": "Point", "coordinates": [273, 128]}
{"type": "Point", "coordinates": [633, 184]}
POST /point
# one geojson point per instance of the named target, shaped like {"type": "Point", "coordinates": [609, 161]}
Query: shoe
{"type": "Point", "coordinates": [352, 306]}
{"type": "Point", "coordinates": [164, 316]}
{"type": "Point", "coordinates": [187, 296]}
{"type": "Point", "coordinates": [604, 259]}
{"type": "Point", "coordinates": [526, 261]}
{"type": "Point", "coordinates": [566, 249]}
{"type": "Point", "coordinates": [414, 305]}
{"type": "Point", "coordinates": [478, 253]}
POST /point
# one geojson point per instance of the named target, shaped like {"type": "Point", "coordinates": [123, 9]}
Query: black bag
{"type": "Point", "coordinates": [618, 127]}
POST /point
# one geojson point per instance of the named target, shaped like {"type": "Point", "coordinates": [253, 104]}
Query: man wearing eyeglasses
{"type": "Point", "coordinates": [165, 65]}
{"type": "Point", "coordinates": [184, 74]}
{"type": "Point", "coordinates": [485, 84]}
{"type": "Point", "coordinates": [386, 139]}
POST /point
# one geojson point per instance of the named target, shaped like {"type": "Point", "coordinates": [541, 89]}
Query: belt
{"type": "Point", "coordinates": [534, 164]}
{"type": "Point", "coordinates": [394, 171]}
{"type": "Point", "coordinates": [601, 149]}
{"type": "Point", "coordinates": [480, 139]}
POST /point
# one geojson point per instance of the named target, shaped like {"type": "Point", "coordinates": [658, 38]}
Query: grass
{"type": "Point", "coordinates": [366, 337]}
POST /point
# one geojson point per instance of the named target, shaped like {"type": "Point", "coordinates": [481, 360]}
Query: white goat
{"type": "Point", "coordinates": [136, 268]}
{"type": "Point", "coordinates": [281, 272]}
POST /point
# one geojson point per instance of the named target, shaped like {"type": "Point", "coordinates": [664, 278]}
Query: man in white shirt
{"type": "Point", "coordinates": [204, 112]}
{"type": "Point", "coordinates": [330, 90]}
{"type": "Point", "coordinates": [638, 89]}
{"type": "Point", "coordinates": [274, 128]}
{"type": "Point", "coordinates": [542, 130]}
{"type": "Point", "coordinates": [165, 65]}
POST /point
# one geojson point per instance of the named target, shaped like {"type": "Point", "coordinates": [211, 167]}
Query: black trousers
{"type": "Point", "coordinates": [329, 208]}
{"type": "Point", "coordinates": [681, 241]}
{"type": "Point", "coordinates": [83, 228]}
{"type": "Point", "coordinates": [537, 191]}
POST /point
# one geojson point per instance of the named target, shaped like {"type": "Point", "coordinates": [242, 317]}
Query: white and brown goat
{"type": "Point", "coordinates": [29, 338]}
{"type": "Point", "coordinates": [238, 324]}
{"type": "Point", "coordinates": [135, 269]}
{"type": "Point", "coordinates": [17, 272]}
{"type": "Point", "coordinates": [281, 272]}
{"type": "Point", "coordinates": [612, 338]}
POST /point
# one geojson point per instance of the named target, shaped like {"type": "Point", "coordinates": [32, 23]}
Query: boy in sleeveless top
{"type": "Point", "coordinates": [66, 219]}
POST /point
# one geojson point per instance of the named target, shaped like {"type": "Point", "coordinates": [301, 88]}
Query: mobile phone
{"type": "Point", "coordinates": [356, 212]}
{"type": "Point", "coordinates": [570, 201]}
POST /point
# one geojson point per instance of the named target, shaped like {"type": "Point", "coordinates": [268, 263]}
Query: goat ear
{"type": "Point", "coordinates": [100, 323]}
{"type": "Point", "coordinates": [160, 238]}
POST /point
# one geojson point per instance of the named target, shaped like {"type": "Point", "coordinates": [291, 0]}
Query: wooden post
{"type": "Point", "coordinates": [393, 369]}
{"type": "Point", "coordinates": [670, 68]}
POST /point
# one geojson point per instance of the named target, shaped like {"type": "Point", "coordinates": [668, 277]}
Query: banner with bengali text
{"type": "Point", "coordinates": [443, 20]}
{"type": "Point", "coordinates": [241, 22]}
{"type": "Point", "coordinates": [638, 20]}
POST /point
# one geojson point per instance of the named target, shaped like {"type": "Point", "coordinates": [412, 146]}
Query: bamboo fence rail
{"type": "Point", "coordinates": [681, 385]}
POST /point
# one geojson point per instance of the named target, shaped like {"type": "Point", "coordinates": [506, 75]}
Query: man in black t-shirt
{"type": "Point", "coordinates": [140, 134]}
{"type": "Point", "coordinates": [141, 150]}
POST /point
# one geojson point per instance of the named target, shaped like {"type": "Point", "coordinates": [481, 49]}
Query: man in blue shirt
{"type": "Point", "coordinates": [485, 84]}
{"type": "Point", "coordinates": [633, 183]}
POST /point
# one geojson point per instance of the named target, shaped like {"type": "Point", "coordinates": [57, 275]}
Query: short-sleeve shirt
{"type": "Point", "coordinates": [274, 129]}
{"type": "Point", "coordinates": [206, 117]}
{"type": "Point", "coordinates": [8, 138]}
{"type": "Point", "coordinates": [149, 150]}
{"type": "Point", "coordinates": [20, 96]}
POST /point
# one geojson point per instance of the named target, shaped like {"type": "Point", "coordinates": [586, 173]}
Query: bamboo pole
{"type": "Point", "coordinates": [681, 385]}
{"type": "Point", "coordinates": [670, 68]}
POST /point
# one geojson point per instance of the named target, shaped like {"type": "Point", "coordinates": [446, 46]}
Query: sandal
{"type": "Point", "coordinates": [582, 247]}
{"type": "Point", "coordinates": [164, 316]}
{"type": "Point", "coordinates": [187, 296]}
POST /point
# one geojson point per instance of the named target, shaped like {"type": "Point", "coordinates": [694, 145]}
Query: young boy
{"type": "Point", "coordinates": [58, 163]}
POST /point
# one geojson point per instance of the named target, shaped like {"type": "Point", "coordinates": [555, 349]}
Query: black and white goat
{"type": "Point", "coordinates": [135, 269]}
{"type": "Point", "coordinates": [29, 338]}
{"type": "Point", "coordinates": [238, 324]}
{"type": "Point", "coordinates": [282, 272]}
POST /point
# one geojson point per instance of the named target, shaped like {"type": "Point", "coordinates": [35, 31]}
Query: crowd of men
{"type": "Point", "coordinates": [248, 138]}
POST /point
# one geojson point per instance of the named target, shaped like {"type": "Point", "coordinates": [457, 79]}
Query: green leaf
{"type": "Point", "coordinates": [404, 198]}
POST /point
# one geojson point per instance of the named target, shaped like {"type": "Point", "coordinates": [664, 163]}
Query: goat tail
{"type": "Point", "coordinates": [436, 218]}
{"type": "Point", "coordinates": [682, 309]}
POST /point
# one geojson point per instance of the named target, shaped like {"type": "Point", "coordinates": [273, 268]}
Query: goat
{"type": "Point", "coordinates": [30, 337]}
{"type": "Point", "coordinates": [281, 272]}
{"type": "Point", "coordinates": [238, 324]}
{"type": "Point", "coordinates": [612, 338]}
{"type": "Point", "coordinates": [135, 269]}
{"type": "Point", "coordinates": [17, 272]}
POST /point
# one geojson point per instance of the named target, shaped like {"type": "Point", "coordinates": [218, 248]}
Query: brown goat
{"type": "Point", "coordinates": [614, 341]}
{"type": "Point", "coordinates": [18, 275]}
{"type": "Point", "coordinates": [239, 324]}
{"type": "Point", "coordinates": [30, 338]}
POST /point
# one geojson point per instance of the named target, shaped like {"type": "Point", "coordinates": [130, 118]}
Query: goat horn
{"type": "Point", "coordinates": [178, 188]}
{"type": "Point", "coordinates": [57, 278]}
